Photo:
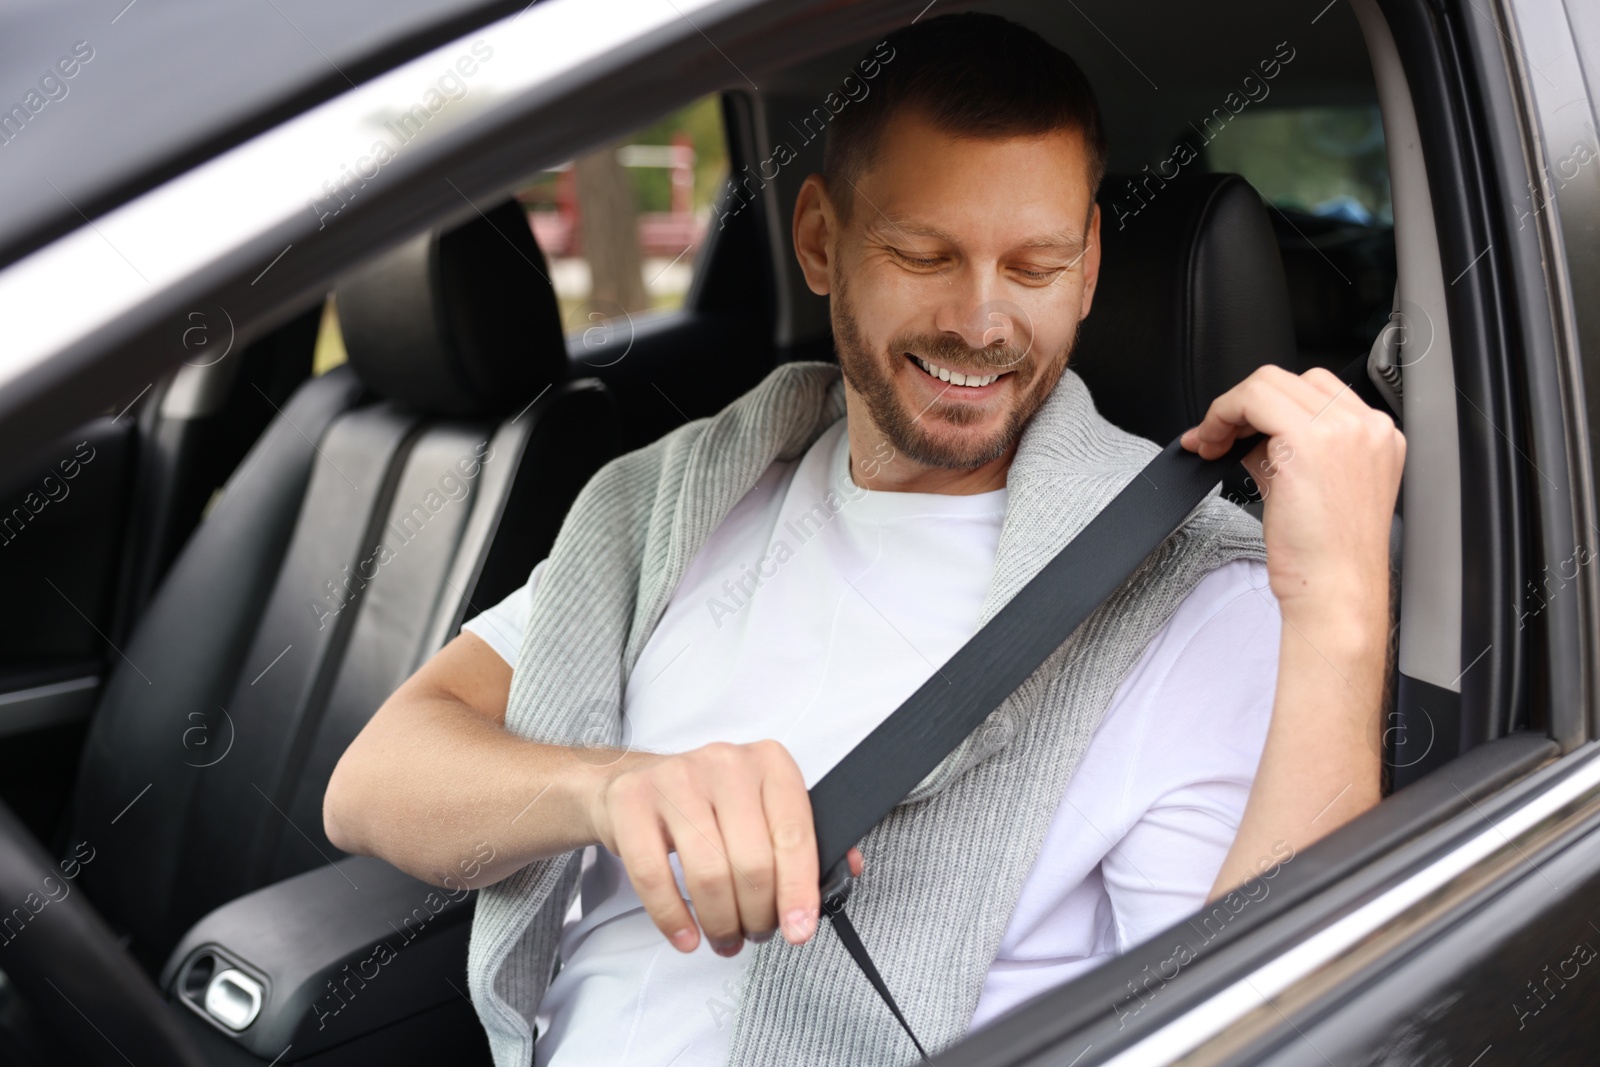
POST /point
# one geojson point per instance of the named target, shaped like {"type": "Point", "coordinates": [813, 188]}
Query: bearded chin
{"type": "Point", "coordinates": [914, 433]}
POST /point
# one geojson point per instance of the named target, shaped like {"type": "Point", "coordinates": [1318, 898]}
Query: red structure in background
{"type": "Point", "coordinates": [661, 233]}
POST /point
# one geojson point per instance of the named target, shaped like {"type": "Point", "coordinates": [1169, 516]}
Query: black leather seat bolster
{"type": "Point", "coordinates": [573, 437]}
{"type": "Point", "coordinates": [457, 542]}
{"type": "Point", "coordinates": [185, 655]}
{"type": "Point", "coordinates": [301, 636]}
{"type": "Point", "coordinates": [401, 579]}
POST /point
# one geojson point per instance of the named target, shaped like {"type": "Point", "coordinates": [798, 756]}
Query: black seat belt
{"type": "Point", "coordinates": [866, 785]}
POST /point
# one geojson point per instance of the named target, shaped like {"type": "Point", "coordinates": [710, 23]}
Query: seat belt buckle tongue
{"type": "Point", "coordinates": [836, 886]}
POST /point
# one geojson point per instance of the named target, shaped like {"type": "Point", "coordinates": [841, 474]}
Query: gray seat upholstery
{"type": "Point", "coordinates": [390, 498]}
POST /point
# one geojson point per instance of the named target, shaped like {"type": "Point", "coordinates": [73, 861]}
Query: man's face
{"type": "Point", "coordinates": [957, 286]}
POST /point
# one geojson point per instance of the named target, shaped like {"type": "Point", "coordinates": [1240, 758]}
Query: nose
{"type": "Point", "coordinates": [972, 308]}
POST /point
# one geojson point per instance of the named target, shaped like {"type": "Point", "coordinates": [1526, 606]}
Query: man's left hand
{"type": "Point", "coordinates": [1329, 473]}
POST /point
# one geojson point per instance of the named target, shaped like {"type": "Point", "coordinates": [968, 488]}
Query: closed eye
{"type": "Point", "coordinates": [922, 262]}
{"type": "Point", "coordinates": [1049, 274]}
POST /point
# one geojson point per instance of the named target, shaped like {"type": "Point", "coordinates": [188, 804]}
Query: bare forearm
{"type": "Point", "coordinates": [443, 793]}
{"type": "Point", "coordinates": [1321, 761]}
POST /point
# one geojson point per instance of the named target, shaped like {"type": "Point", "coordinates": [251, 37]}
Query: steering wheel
{"type": "Point", "coordinates": [73, 971]}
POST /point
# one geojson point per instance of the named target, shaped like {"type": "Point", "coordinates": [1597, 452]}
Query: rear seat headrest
{"type": "Point", "coordinates": [457, 322]}
{"type": "Point", "coordinates": [1191, 299]}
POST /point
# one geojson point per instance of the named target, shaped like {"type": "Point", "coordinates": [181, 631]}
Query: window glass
{"type": "Point", "coordinates": [622, 226]}
{"type": "Point", "coordinates": [1326, 161]}
{"type": "Point", "coordinates": [329, 352]}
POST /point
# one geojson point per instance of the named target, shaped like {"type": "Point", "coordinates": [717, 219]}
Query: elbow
{"type": "Point", "coordinates": [338, 814]}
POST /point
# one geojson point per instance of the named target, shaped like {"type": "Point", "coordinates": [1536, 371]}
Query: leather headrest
{"type": "Point", "coordinates": [1191, 299]}
{"type": "Point", "coordinates": [457, 322]}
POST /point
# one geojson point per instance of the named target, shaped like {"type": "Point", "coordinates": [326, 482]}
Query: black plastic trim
{"type": "Point", "coordinates": [1555, 619]}
{"type": "Point", "coordinates": [1420, 735]}
{"type": "Point", "coordinates": [311, 936]}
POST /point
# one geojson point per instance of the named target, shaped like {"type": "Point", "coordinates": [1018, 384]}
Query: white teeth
{"type": "Point", "coordinates": [944, 374]}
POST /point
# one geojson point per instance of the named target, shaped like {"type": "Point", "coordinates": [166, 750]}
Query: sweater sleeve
{"type": "Point", "coordinates": [503, 625]}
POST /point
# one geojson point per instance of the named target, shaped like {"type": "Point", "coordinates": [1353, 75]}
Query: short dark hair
{"type": "Point", "coordinates": [972, 74]}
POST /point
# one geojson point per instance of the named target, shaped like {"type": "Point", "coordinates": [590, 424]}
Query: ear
{"type": "Point", "coordinates": [1091, 263]}
{"type": "Point", "coordinates": [813, 228]}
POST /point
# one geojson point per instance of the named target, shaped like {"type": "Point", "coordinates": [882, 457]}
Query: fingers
{"type": "Point", "coordinates": [1271, 401]}
{"type": "Point", "coordinates": [1326, 382]}
{"type": "Point", "coordinates": [739, 818]}
{"type": "Point", "coordinates": [788, 810]}
{"type": "Point", "coordinates": [642, 846]}
{"type": "Point", "coordinates": [707, 873]}
{"type": "Point", "coordinates": [737, 792]}
{"type": "Point", "coordinates": [1332, 465]}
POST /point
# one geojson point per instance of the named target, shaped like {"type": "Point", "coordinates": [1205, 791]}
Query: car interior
{"type": "Point", "coordinates": [262, 550]}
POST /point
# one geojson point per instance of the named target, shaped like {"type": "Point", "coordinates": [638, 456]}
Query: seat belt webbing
{"type": "Point", "coordinates": [842, 926]}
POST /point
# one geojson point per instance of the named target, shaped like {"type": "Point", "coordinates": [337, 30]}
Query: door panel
{"type": "Point", "coordinates": [61, 537]}
{"type": "Point", "coordinates": [1517, 981]}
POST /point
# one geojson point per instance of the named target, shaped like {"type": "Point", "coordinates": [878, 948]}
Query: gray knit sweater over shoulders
{"type": "Point", "coordinates": [945, 869]}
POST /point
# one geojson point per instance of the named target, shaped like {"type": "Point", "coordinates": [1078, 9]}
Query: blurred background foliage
{"type": "Point", "coordinates": [1323, 160]}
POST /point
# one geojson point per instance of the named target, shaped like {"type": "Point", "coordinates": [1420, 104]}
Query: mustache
{"type": "Point", "coordinates": [947, 349]}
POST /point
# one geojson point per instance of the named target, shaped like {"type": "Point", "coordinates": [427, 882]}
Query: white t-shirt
{"type": "Point", "coordinates": [811, 612]}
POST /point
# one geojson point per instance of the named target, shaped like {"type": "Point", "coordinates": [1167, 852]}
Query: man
{"type": "Point", "coordinates": [737, 605]}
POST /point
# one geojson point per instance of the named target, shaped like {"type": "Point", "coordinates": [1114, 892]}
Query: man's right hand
{"type": "Point", "coordinates": [434, 779]}
{"type": "Point", "coordinates": [739, 818]}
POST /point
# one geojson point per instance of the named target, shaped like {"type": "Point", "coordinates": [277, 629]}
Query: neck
{"type": "Point", "coordinates": [875, 464]}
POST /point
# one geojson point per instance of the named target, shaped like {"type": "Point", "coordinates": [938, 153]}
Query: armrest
{"type": "Point", "coordinates": [322, 958]}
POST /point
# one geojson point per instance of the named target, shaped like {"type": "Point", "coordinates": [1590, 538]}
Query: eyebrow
{"type": "Point", "coordinates": [1069, 242]}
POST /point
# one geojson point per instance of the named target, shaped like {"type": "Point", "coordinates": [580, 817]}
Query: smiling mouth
{"type": "Point", "coordinates": [945, 374]}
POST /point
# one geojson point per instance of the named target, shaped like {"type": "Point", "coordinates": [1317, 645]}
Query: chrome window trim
{"type": "Point", "coordinates": [1246, 1008]}
{"type": "Point", "coordinates": [62, 294]}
